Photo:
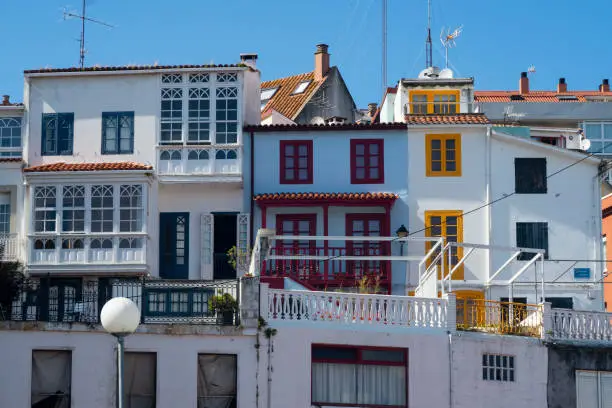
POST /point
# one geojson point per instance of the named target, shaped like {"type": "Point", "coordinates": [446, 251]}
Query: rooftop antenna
{"type": "Point", "coordinates": [428, 45]}
{"type": "Point", "coordinates": [531, 69]}
{"type": "Point", "coordinates": [83, 17]}
{"type": "Point", "coordinates": [384, 45]}
{"type": "Point", "coordinates": [448, 41]}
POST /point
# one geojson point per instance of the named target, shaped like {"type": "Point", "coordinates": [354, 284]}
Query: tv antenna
{"type": "Point", "coordinates": [531, 69]}
{"type": "Point", "coordinates": [384, 45]}
{"type": "Point", "coordinates": [83, 17]}
{"type": "Point", "coordinates": [448, 40]}
{"type": "Point", "coordinates": [428, 45]}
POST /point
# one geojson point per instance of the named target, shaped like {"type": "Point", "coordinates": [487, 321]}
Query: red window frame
{"type": "Point", "coordinates": [359, 360]}
{"type": "Point", "coordinates": [295, 144]}
{"type": "Point", "coordinates": [366, 159]}
{"type": "Point", "coordinates": [312, 226]}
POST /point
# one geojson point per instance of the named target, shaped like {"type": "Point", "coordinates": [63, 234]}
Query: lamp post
{"type": "Point", "coordinates": [120, 317]}
{"type": "Point", "coordinates": [402, 232]}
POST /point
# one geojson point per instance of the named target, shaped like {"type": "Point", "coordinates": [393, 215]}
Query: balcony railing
{"type": "Point", "coordinates": [325, 269]}
{"type": "Point", "coordinates": [490, 316]}
{"type": "Point", "coordinates": [93, 249]}
{"type": "Point", "coordinates": [204, 160]}
{"type": "Point", "coordinates": [439, 108]}
{"type": "Point", "coordinates": [160, 301]}
{"type": "Point", "coordinates": [356, 309]}
{"type": "Point", "coordinates": [9, 247]}
{"type": "Point", "coordinates": [581, 325]}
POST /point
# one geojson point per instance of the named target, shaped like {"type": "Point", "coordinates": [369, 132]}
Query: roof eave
{"type": "Point", "coordinates": [127, 71]}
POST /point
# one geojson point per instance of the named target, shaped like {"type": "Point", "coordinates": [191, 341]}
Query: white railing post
{"type": "Point", "coordinates": [547, 320]}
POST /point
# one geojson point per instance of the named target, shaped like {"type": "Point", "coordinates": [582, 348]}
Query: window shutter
{"type": "Point", "coordinates": [243, 244]}
{"type": "Point", "coordinates": [206, 246]}
{"type": "Point", "coordinates": [586, 390]}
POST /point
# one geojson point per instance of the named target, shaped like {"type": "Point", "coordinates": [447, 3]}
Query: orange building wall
{"type": "Point", "coordinates": [606, 229]}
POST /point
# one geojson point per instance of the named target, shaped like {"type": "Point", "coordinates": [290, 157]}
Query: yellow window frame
{"type": "Point", "coordinates": [431, 94]}
{"type": "Point", "coordinates": [443, 172]}
{"type": "Point", "coordinates": [443, 214]}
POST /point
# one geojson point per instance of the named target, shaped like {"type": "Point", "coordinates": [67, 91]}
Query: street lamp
{"type": "Point", "coordinates": [402, 232]}
{"type": "Point", "coordinates": [120, 317]}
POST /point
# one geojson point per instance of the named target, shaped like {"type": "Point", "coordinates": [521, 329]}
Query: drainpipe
{"type": "Point", "coordinates": [597, 217]}
{"type": "Point", "coordinates": [450, 370]}
{"type": "Point", "coordinates": [488, 177]}
{"type": "Point", "coordinates": [252, 186]}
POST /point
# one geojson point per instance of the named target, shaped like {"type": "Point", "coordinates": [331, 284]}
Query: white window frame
{"type": "Point", "coordinates": [11, 123]}
{"type": "Point", "coordinates": [301, 87]}
{"type": "Point", "coordinates": [603, 140]}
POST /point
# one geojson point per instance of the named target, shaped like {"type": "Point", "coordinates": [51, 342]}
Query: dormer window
{"type": "Point", "coordinates": [266, 95]}
{"type": "Point", "coordinates": [301, 88]}
{"type": "Point", "coordinates": [434, 102]}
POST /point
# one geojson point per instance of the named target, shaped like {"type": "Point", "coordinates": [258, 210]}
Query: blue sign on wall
{"type": "Point", "coordinates": [582, 273]}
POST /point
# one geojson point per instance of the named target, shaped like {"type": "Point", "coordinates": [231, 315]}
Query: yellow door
{"type": "Point", "coordinates": [447, 224]}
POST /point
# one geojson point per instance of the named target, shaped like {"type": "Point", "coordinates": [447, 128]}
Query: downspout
{"type": "Point", "coordinates": [488, 181]}
{"type": "Point", "coordinates": [598, 227]}
{"type": "Point", "coordinates": [450, 370]}
{"type": "Point", "coordinates": [252, 186]}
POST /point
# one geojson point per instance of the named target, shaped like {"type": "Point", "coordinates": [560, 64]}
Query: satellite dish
{"type": "Point", "coordinates": [317, 120]}
{"type": "Point", "coordinates": [586, 144]}
{"type": "Point", "coordinates": [446, 73]}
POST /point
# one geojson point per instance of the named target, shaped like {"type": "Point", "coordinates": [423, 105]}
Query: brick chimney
{"type": "Point", "coordinates": [561, 86]}
{"type": "Point", "coordinates": [372, 108]}
{"type": "Point", "coordinates": [5, 100]}
{"type": "Point", "coordinates": [249, 59]}
{"type": "Point", "coordinates": [605, 86]}
{"type": "Point", "coordinates": [524, 84]}
{"type": "Point", "coordinates": [321, 62]}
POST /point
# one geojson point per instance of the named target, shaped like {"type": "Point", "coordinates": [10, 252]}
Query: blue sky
{"type": "Point", "coordinates": [499, 40]}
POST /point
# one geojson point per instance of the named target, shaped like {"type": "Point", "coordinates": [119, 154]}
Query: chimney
{"type": "Point", "coordinates": [561, 86]}
{"type": "Point", "coordinates": [249, 59]}
{"type": "Point", "coordinates": [524, 84]}
{"type": "Point", "coordinates": [321, 62]}
{"type": "Point", "coordinates": [605, 86]}
{"type": "Point", "coordinates": [372, 108]}
{"type": "Point", "coordinates": [5, 100]}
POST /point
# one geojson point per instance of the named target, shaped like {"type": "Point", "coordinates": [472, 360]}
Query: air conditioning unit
{"type": "Point", "coordinates": [576, 141]}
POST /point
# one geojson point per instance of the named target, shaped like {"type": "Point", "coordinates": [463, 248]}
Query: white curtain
{"type": "Point", "coordinates": [139, 372]}
{"type": "Point", "coordinates": [358, 384]}
{"type": "Point", "coordinates": [51, 378]}
{"type": "Point", "coordinates": [216, 381]}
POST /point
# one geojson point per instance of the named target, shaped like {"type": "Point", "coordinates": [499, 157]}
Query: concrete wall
{"type": "Point", "coordinates": [94, 370]}
{"type": "Point", "coordinates": [563, 361]}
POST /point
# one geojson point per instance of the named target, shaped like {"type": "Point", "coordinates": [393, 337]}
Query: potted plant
{"type": "Point", "coordinates": [225, 307]}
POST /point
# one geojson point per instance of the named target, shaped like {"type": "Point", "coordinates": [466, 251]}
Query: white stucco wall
{"type": "Point", "coordinates": [94, 369]}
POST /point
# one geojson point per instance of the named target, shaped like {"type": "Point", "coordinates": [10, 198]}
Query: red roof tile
{"type": "Point", "coordinates": [326, 196]}
{"type": "Point", "coordinates": [119, 166]}
{"type": "Point", "coordinates": [324, 127]}
{"type": "Point", "coordinates": [130, 68]}
{"type": "Point", "coordinates": [458, 119]}
{"type": "Point", "coordinates": [10, 159]}
{"type": "Point", "coordinates": [283, 101]}
{"type": "Point", "coordinates": [536, 96]}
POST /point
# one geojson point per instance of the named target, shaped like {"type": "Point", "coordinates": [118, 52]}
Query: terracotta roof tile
{"type": "Point", "coordinates": [119, 166]}
{"type": "Point", "coordinates": [339, 126]}
{"type": "Point", "coordinates": [458, 119]}
{"type": "Point", "coordinates": [283, 101]}
{"type": "Point", "coordinates": [10, 159]}
{"type": "Point", "coordinates": [130, 68]}
{"type": "Point", "coordinates": [326, 196]}
{"type": "Point", "coordinates": [536, 96]}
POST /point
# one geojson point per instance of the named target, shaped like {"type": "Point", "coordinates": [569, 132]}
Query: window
{"type": "Point", "coordinates": [227, 115]}
{"type": "Point", "coordinates": [497, 367]}
{"type": "Point", "coordinates": [51, 378]}
{"type": "Point", "coordinates": [140, 375]}
{"type": "Point", "coordinates": [593, 389]}
{"type": "Point", "coordinates": [102, 208]}
{"type": "Point", "coordinates": [267, 94]}
{"type": "Point", "coordinates": [560, 302]}
{"type": "Point", "coordinates": [447, 224]}
{"type": "Point", "coordinates": [359, 376]}
{"type": "Point", "coordinates": [600, 135]}
{"type": "Point", "coordinates": [296, 225]}
{"type": "Point", "coordinates": [199, 116]}
{"type": "Point", "coordinates": [301, 87]}
{"type": "Point", "coordinates": [117, 132]}
{"type": "Point", "coordinates": [5, 218]}
{"type": "Point", "coordinates": [434, 102]}
{"type": "Point", "coordinates": [10, 137]}
{"type": "Point", "coordinates": [73, 214]}
{"type": "Point", "coordinates": [131, 209]}
{"type": "Point", "coordinates": [296, 162]}
{"type": "Point", "coordinates": [531, 235]}
{"type": "Point", "coordinates": [44, 209]}
{"type": "Point", "coordinates": [443, 155]}
{"type": "Point", "coordinates": [57, 134]}
{"type": "Point", "coordinates": [171, 115]}
{"type": "Point", "coordinates": [217, 380]}
{"type": "Point", "coordinates": [530, 175]}
{"type": "Point", "coordinates": [367, 162]}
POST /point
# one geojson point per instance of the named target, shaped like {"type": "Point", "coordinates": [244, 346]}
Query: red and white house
{"type": "Point", "coordinates": [329, 181]}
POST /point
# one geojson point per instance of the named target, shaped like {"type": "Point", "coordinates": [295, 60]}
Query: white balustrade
{"type": "Point", "coordinates": [581, 325]}
{"type": "Point", "coordinates": [218, 160]}
{"type": "Point", "coordinates": [9, 247]}
{"type": "Point", "coordinates": [357, 309]}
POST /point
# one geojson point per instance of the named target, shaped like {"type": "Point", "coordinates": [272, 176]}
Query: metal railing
{"type": "Point", "coordinates": [66, 300]}
{"type": "Point", "coordinates": [495, 317]}
{"type": "Point", "coordinates": [439, 107]}
{"type": "Point", "coordinates": [9, 247]}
